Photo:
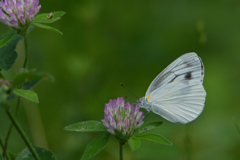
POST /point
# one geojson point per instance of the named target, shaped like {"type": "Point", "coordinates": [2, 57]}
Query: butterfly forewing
{"type": "Point", "coordinates": [187, 67]}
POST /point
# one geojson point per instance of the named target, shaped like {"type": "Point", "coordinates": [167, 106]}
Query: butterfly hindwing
{"type": "Point", "coordinates": [179, 102]}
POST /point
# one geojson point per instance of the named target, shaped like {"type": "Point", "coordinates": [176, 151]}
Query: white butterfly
{"type": "Point", "coordinates": [177, 93]}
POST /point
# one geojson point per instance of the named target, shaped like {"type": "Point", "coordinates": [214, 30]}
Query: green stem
{"type": "Point", "coordinates": [2, 146]}
{"type": "Point", "coordinates": [18, 101]}
{"type": "Point", "coordinates": [10, 129]}
{"type": "Point", "coordinates": [1, 143]}
{"type": "Point", "coordinates": [23, 135]}
{"type": "Point", "coordinates": [121, 150]}
{"type": "Point", "coordinates": [26, 52]}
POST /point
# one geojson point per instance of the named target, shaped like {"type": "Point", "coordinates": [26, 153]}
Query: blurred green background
{"type": "Point", "coordinates": [106, 43]}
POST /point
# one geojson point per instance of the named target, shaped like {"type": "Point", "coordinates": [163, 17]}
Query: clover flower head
{"type": "Point", "coordinates": [18, 14]}
{"type": "Point", "coordinates": [122, 119]}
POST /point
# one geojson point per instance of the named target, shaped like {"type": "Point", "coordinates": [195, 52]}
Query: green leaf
{"type": "Point", "coordinates": [43, 18]}
{"type": "Point", "coordinates": [96, 145]}
{"type": "Point", "coordinates": [154, 138]}
{"type": "Point", "coordinates": [46, 27]}
{"type": "Point", "coordinates": [48, 17]}
{"type": "Point", "coordinates": [88, 126]}
{"type": "Point", "coordinates": [58, 14]}
{"type": "Point", "coordinates": [5, 40]}
{"type": "Point", "coordinates": [30, 95]}
{"type": "Point", "coordinates": [8, 55]}
{"type": "Point", "coordinates": [43, 154]}
{"type": "Point", "coordinates": [134, 143]}
{"type": "Point", "coordinates": [148, 126]}
{"type": "Point", "coordinates": [29, 85]}
{"type": "Point", "coordinates": [20, 79]}
{"type": "Point", "coordinates": [30, 78]}
{"type": "Point", "coordinates": [3, 64]}
{"type": "Point", "coordinates": [236, 125]}
{"type": "Point", "coordinates": [12, 156]}
{"type": "Point", "coordinates": [1, 76]}
{"type": "Point", "coordinates": [46, 76]}
{"type": "Point", "coordinates": [1, 158]}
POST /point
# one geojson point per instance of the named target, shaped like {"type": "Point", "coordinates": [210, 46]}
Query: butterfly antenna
{"type": "Point", "coordinates": [128, 90]}
{"type": "Point", "coordinates": [129, 97]}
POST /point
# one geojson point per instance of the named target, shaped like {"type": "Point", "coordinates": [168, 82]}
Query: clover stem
{"type": "Point", "coordinates": [2, 146]}
{"type": "Point", "coordinates": [10, 130]}
{"type": "Point", "coordinates": [23, 135]}
{"type": "Point", "coordinates": [26, 52]}
{"type": "Point", "coordinates": [18, 99]}
{"type": "Point", "coordinates": [121, 150]}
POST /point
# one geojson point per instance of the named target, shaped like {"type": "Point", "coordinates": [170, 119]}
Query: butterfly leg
{"type": "Point", "coordinates": [147, 113]}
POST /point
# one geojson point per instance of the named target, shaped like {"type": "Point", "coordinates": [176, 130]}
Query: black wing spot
{"type": "Point", "coordinates": [188, 76]}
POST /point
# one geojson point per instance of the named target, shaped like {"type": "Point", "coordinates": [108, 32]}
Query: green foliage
{"type": "Point", "coordinates": [96, 145]}
{"type": "Point", "coordinates": [154, 138]}
{"type": "Point", "coordinates": [58, 14]}
{"type": "Point", "coordinates": [30, 95]}
{"type": "Point", "coordinates": [88, 126]}
{"type": "Point", "coordinates": [6, 39]}
{"type": "Point", "coordinates": [1, 76]}
{"type": "Point", "coordinates": [134, 143]}
{"type": "Point", "coordinates": [3, 95]}
{"type": "Point", "coordinates": [236, 125]}
{"type": "Point", "coordinates": [12, 156]}
{"type": "Point", "coordinates": [1, 158]}
{"type": "Point", "coordinates": [48, 17]}
{"type": "Point", "coordinates": [46, 27]}
{"type": "Point", "coordinates": [8, 55]}
{"type": "Point", "coordinates": [148, 126]}
{"type": "Point", "coordinates": [30, 78]}
{"type": "Point", "coordinates": [99, 143]}
{"type": "Point", "coordinates": [23, 82]}
{"type": "Point", "coordinates": [42, 154]}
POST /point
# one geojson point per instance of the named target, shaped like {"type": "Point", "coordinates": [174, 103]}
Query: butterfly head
{"type": "Point", "coordinates": [143, 103]}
